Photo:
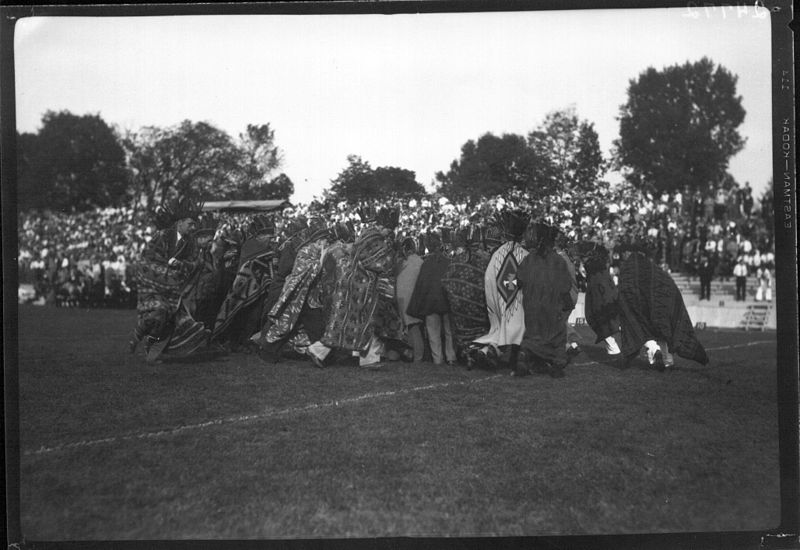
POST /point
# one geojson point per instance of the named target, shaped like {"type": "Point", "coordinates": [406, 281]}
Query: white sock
{"type": "Point", "coordinates": [611, 346]}
{"type": "Point", "coordinates": [319, 350]}
{"type": "Point", "coordinates": [652, 348]}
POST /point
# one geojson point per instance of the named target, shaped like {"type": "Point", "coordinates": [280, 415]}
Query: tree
{"type": "Point", "coordinates": [359, 181]}
{"type": "Point", "coordinates": [279, 187]}
{"type": "Point", "coordinates": [573, 149]}
{"type": "Point", "coordinates": [72, 162]}
{"type": "Point", "coordinates": [260, 158]}
{"type": "Point", "coordinates": [192, 159]}
{"type": "Point", "coordinates": [679, 127]}
{"type": "Point", "coordinates": [493, 165]}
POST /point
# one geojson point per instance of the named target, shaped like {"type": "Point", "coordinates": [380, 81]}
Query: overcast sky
{"type": "Point", "coordinates": [398, 90]}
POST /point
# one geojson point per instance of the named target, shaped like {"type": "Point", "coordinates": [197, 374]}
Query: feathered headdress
{"type": "Point", "coordinates": [367, 213]}
{"type": "Point", "coordinates": [343, 231]}
{"type": "Point", "coordinates": [261, 224]}
{"type": "Point", "coordinates": [388, 217]}
{"type": "Point", "coordinates": [512, 223]}
{"type": "Point", "coordinates": [544, 234]}
{"type": "Point", "coordinates": [206, 228]}
{"type": "Point", "coordinates": [169, 213]}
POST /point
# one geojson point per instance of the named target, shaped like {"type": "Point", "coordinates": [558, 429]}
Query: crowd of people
{"type": "Point", "coordinates": [370, 284]}
{"type": "Point", "coordinates": [87, 258]}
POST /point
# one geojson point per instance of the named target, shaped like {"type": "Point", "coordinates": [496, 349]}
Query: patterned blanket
{"type": "Point", "coordinates": [464, 285]}
{"type": "Point", "coordinates": [251, 284]}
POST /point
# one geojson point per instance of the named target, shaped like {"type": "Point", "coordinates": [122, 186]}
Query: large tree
{"type": "Point", "coordinates": [192, 159]}
{"type": "Point", "coordinates": [573, 149]}
{"type": "Point", "coordinates": [679, 127]}
{"type": "Point", "coordinates": [261, 158]}
{"type": "Point", "coordinates": [494, 165]}
{"type": "Point", "coordinates": [359, 181]}
{"type": "Point", "coordinates": [72, 162]}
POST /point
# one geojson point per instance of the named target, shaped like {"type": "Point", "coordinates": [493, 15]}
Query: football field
{"type": "Point", "coordinates": [235, 448]}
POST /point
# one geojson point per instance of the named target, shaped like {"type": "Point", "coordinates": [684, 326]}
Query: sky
{"type": "Point", "coordinates": [405, 90]}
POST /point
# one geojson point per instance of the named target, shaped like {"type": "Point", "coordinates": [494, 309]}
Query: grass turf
{"type": "Point", "coordinates": [114, 448]}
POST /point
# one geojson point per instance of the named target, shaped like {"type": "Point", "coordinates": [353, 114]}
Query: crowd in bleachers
{"type": "Point", "coordinates": [87, 259]}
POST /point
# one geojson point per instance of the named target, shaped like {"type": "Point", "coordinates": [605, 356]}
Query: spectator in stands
{"type": "Point", "coordinates": [706, 272]}
{"type": "Point", "coordinates": [764, 278]}
{"type": "Point", "coordinates": [740, 272]}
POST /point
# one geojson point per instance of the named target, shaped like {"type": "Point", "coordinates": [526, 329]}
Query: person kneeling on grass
{"type": "Point", "coordinates": [167, 279]}
{"type": "Point", "coordinates": [653, 314]}
{"type": "Point", "coordinates": [545, 282]}
{"type": "Point", "coordinates": [602, 305]}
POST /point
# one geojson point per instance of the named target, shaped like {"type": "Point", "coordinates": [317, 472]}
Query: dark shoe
{"type": "Point", "coordinates": [573, 352]}
{"type": "Point", "coordinates": [470, 362]}
{"type": "Point", "coordinates": [316, 360]}
{"type": "Point", "coordinates": [624, 362]}
{"type": "Point", "coordinates": [148, 343]}
{"type": "Point", "coordinates": [521, 370]}
{"type": "Point", "coordinates": [658, 361]}
{"type": "Point", "coordinates": [554, 371]}
{"type": "Point", "coordinates": [492, 359]}
{"type": "Point", "coordinates": [480, 361]}
{"type": "Point", "coordinates": [451, 363]}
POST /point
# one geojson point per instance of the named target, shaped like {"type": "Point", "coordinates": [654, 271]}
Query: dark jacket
{"type": "Point", "coordinates": [429, 296]}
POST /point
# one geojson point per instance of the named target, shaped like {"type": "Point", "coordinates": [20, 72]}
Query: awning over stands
{"type": "Point", "coordinates": [246, 206]}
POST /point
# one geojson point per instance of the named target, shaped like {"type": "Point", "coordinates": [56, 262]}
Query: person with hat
{"type": "Point", "coordinates": [463, 284]}
{"type": "Point", "coordinates": [355, 324]}
{"type": "Point", "coordinates": [239, 315]}
{"type": "Point", "coordinates": [410, 266]}
{"type": "Point", "coordinates": [740, 272]}
{"type": "Point", "coordinates": [706, 272]}
{"type": "Point", "coordinates": [166, 276]}
{"type": "Point", "coordinates": [429, 302]}
{"type": "Point", "coordinates": [601, 305]}
{"type": "Point", "coordinates": [544, 280]}
{"type": "Point", "coordinates": [334, 262]}
{"type": "Point", "coordinates": [296, 314]}
{"type": "Point", "coordinates": [503, 298]}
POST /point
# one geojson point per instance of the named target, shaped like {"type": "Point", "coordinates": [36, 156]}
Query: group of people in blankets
{"type": "Point", "coordinates": [497, 296]}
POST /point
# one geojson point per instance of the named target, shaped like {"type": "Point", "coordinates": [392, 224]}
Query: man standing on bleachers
{"type": "Point", "coordinates": [706, 273]}
{"type": "Point", "coordinates": [740, 272]}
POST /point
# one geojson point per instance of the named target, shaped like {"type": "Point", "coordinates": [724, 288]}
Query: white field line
{"type": "Point", "coordinates": [265, 415]}
{"type": "Point", "coordinates": [775, 342]}
{"type": "Point", "coordinates": [295, 410]}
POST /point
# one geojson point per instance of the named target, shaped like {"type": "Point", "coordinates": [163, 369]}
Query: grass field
{"type": "Point", "coordinates": [114, 448]}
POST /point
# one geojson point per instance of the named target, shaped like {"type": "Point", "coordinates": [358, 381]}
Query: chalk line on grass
{"type": "Point", "coordinates": [261, 416]}
{"type": "Point", "coordinates": [295, 410]}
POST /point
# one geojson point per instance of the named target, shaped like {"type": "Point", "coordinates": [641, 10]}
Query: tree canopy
{"type": "Point", "coordinates": [359, 181]}
{"type": "Point", "coordinates": [562, 154]}
{"type": "Point", "coordinates": [72, 162]}
{"type": "Point", "coordinates": [678, 128]}
{"type": "Point", "coordinates": [491, 166]}
{"type": "Point", "coordinates": [573, 149]}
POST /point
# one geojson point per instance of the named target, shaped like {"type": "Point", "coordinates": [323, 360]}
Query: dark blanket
{"type": "Point", "coordinates": [464, 287]}
{"type": "Point", "coordinates": [601, 306]}
{"type": "Point", "coordinates": [428, 296]}
{"type": "Point", "coordinates": [546, 299]}
{"type": "Point", "coordinates": [652, 309]}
